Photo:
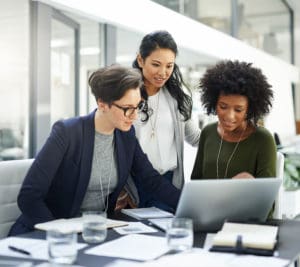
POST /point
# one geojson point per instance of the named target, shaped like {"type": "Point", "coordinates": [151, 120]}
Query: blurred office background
{"type": "Point", "coordinates": [48, 49]}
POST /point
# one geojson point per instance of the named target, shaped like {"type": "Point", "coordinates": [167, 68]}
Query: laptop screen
{"type": "Point", "coordinates": [211, 202]}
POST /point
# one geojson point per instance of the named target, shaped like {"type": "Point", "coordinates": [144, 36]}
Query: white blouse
{"type": "Point", "coordinates": [157, 135]}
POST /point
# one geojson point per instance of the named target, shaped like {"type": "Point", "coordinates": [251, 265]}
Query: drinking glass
{"type": "Point", "coordinates": [179, 234]}
{"type": "Point", "coordinates": [94, 226]}
{"type": "Point", "coordinates": [62, 247]}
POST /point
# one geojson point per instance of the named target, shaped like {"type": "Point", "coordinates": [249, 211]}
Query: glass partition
{"type": "Point", "coordinates": [14, 79]}
{"type": "Point", "coordinates": [263, 24]}
{"type": "Point", "coordinates": [266, 25]}
{"type": "Point", "coordinates": [62, 71]}
{"type": "Point", "coordinates": [127, 46]}
{"type": "Point", "coordinates": [91, 57]}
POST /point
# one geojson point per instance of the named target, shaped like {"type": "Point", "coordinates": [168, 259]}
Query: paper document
{"type": "Point", "coordinates": [136, 247]}
{"type": "Point", "coordinates": [37, 248]}
{"type": "Point", "coordinates": [73, 224]}
{"type": "Point", "coordinates": [123, 263]}
{"type": "Point", "coordinates": [253, 235]}
{"type": "Point", "coordinates": [210, 259]}
{"type": "Point", "coordinates": [135, 228]}
{"type": "Point", "coordinates": [48, 264]}
{"type": "Point", "coordinates": [15, 263]}
{"type": "Point", "coordinates": [146, 213]}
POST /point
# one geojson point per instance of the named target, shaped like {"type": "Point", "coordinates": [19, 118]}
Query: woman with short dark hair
{"type": "Point", "coordinates": [86, 160]}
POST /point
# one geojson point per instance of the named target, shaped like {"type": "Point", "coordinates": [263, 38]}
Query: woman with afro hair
{"type": "Point", "coordinates": [235, 146]}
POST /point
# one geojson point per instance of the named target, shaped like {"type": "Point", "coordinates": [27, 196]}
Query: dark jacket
{"type": "Point", "coordinates": [56, 183]}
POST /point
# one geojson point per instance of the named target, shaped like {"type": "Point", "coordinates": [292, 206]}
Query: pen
{"type": "Point", "coordinates": [20, 250]}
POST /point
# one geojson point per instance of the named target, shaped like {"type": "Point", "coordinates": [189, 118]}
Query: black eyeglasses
{"type": "Point", "coordinates": [129, 111]}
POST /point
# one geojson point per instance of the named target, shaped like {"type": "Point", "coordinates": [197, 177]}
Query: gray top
{"type": "Point", "coordinates": [184, 131]}
{"type": "Point", "coordinates": [103, 178]}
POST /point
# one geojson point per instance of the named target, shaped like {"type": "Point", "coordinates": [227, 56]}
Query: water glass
{"type": "Point", "coordinates": [94, 226]}
{"type": "Point", "coordinates": [180, 234]}
{"type": "Point", "coordinates": [62, 247]}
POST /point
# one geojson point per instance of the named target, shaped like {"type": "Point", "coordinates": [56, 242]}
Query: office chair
{"type": "Point", "coordinates": [12, 173]}
{"type": "Point", "coordinates": [279, 174]}
{"type": "Point", "coordinates": [277, 141]}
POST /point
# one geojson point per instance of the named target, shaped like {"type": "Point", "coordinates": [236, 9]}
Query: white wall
{"type": "Point", "coordinates": [281, 119]}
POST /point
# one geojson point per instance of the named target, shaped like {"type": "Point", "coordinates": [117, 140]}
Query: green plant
{"type": "Point", "coordinates": [291, 179]}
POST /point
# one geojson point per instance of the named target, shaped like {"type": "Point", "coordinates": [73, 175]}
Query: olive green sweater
{"type": "Point", "coordinates": [256, 155]}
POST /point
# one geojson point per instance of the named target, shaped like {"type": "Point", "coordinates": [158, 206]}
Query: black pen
{"type": "Point", "coordinates": [20, 250]}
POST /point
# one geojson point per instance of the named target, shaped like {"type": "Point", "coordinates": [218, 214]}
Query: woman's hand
{"type": "Point", "coordinates": [243, 175]}
{"type": "Point", "coordinates": [124, 201]}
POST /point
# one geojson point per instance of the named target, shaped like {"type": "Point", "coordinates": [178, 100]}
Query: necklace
{"type": "Point", "coordinates": [105, 201]}
{"type": "Point", "coordinates": [153, 123]}
{"type": "Point", "coordinates": [235, 148]}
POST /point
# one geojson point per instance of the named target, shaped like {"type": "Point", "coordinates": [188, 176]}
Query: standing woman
{"type": "Point", "coordinates": [162, 135]}
{"type": "Point", "coordinates": [235, 146]}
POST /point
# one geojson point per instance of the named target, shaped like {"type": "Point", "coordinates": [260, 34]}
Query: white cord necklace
{"type": "Point", "coordinates": [105, 201]}
{"type": "Point", "coordinates": [235, 148]}
{"type": "Point", "coordinates": [153, 123]}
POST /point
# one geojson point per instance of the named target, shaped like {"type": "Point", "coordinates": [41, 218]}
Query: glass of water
{"type": "Point", "coordinates": [180, 235]}
{"type": "Point", "coordinates": [94, 226]}
{"type": "Point", "coordinates": [62, 247]}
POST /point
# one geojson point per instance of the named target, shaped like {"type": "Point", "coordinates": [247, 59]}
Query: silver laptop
{"type": "Point", "coordinates": [211, 202]}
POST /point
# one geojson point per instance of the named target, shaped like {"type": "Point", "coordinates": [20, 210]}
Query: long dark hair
{"type": "Point", "coordinates": [163, 39]}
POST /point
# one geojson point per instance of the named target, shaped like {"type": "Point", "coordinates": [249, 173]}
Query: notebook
{"type": "Point", "coordinates": [253, 235]}
{"type": "Point", "coordinates": [146, 213]}
{"type": "Point", "coordinates": [246, 239]}
{"type": "Point", "coordinates": [211, 202]}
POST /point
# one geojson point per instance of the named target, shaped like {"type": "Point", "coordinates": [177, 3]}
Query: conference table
{"type": "Point", "coordinates": [288, 246]}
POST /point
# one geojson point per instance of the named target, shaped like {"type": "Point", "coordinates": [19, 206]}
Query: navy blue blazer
{"type": "Point", "coordinates": [56, 183]}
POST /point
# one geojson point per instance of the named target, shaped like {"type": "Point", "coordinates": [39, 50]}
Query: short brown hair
{"type": "Point", "coordinates": [112, 82]}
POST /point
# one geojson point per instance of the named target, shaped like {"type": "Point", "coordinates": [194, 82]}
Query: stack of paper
{"type": "Point", "coordinates": [252, 236]}
{"type": "Point", "coordinates": [135, 247]}
{"type": "Point", "coordinates": [73, 224]}
{"type": "Point", "coordinates": [147, 213]}
{"type": "Point", "coordinates": [202, 258]}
